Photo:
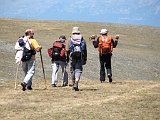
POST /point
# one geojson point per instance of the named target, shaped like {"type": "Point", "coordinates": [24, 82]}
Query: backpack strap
{"type": "Point", "coordinates": [29, 44]}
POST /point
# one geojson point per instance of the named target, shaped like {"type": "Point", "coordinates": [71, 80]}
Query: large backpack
{"type": "Point", "coordinates": [105, 45]}
{"type": "Point", "coordinates": [77, 47]}
{"type": "Point", "coordinates": [57, 52]}
{"type": "Point", "coordinates": [27, 53]}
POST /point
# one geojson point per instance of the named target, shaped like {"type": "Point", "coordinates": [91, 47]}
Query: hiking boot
{"type": "Point", "coordinates": [54, 85]}
{"type": "Point", "coordinates": [23, 86]}
{"type": "Point", "coordinates": [75, 87]}
{"type": "Point", "coordinates": [29, 88]}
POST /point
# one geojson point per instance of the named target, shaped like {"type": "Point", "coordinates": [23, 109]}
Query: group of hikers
{"type": "Point", "coordinates": [72, 51]}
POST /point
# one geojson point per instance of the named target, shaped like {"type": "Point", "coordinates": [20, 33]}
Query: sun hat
{"type": "Point", "coordinates": [75, 30]}
{"type": "Point", "coordinates": [103, 31]}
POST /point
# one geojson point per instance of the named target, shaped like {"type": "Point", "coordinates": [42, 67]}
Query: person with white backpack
{"type": "Point", "coordinates": [26, 48]}
{"type": "Point", "coordinates": [77, 51]}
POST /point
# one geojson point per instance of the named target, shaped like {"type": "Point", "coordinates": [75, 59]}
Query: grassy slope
{"type": "Point", "coordinates": [136, 58]}
{"type": "Point", "coordinates": [118, 101]}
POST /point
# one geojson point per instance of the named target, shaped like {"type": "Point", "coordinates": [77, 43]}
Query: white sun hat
{"type": "Point", "coordinates": [75, 30]}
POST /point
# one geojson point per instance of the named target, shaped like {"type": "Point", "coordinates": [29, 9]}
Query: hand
{"type": "Point", "coordinates": [18, 61]}
{"type": "Point", "coordinates": [117, 37]}
{"type": "Point", "coordinates": [92, 37]}
{"type": "Point", "coordinates": [38, 49]}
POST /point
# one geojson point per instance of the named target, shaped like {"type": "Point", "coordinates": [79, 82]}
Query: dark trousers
{"type": "Point", "coordinates": [105, 62]}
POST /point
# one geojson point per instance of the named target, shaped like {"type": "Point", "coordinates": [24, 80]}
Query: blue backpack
{"type": "Point", "coordinates": [77, 47]}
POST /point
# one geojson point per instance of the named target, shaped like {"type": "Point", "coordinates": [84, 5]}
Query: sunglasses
{"type": "Point", "coordinates": [31, 33]}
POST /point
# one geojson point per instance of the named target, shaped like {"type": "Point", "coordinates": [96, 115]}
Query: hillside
{"type": "Point", "coordinates": [135, 58]}
{"type": "Point", "coordinates": [133, 95]}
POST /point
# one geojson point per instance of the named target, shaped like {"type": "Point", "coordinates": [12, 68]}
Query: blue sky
{"type": "Point", "coordinates": [145, 12]}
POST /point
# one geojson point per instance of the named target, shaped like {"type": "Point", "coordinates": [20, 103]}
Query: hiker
{"type": "Point", "coordinates": [59, 58]}
{"type": "Point", "coordinates": [105, 45]}
{"type": "Point", "coordinates": [27, 47]}
{"type": "Point", "coordinates": [77, 51]}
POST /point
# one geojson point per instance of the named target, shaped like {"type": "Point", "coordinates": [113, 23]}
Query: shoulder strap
{"type": "Point", "coordinates": [29, 43]}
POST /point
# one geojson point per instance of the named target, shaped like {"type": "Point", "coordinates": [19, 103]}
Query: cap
{"type": "Point", "coordinates": [104, 31]}
{"type": "Point", "coordinates": [62, 38]}
{"type": "Point", "coordinates": [29, 31]}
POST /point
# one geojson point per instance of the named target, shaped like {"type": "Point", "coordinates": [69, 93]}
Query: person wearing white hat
{"type": "Point", "coordinates": [77, 51]}
{"type": "Point", "coordinates": [105, 45]}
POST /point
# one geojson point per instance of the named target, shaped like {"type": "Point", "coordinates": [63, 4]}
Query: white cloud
{"type": "Point", "coordinates": [133, 19]}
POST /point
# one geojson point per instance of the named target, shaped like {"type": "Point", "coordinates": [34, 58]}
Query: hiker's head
{"type": "Point", "coordinates": [29, 32]}
{"type": "Point", "coordinates": [62, 38]}
{"type": "Point", "coordinates": [104, 32]}
{"type": "Point", "coordinates": [75, 30]}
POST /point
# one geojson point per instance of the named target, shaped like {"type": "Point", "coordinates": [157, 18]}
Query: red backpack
{"type": "Point", "coordinates": [57, 52]}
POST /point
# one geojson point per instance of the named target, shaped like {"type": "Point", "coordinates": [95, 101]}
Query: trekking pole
{"type": "Point", "coordinates": [43, 69]}
{"type": "Point", "coordinates": [68, 69]}
{"type": "Point", "coordinates": [15, 84]}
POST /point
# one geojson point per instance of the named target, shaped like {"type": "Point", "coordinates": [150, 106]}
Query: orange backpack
{"type": "Point", "coordinates": [105, 44]}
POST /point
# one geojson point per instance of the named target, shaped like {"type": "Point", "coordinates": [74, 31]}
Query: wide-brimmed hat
{"type": "Point", "coordinates": [104, 31]}
{"type": "Point", "coordinates": [75, 30]}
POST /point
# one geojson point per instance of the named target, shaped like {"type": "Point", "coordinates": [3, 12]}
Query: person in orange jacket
{"type": "Point", "coordinates": [105, 45]}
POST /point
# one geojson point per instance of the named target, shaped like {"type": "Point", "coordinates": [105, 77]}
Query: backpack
{"type": "Point", "coordinates": [27, 53]}
{"type": "Point", "coordinates": [105, 45]}
{"type": "Point", "coordinates": [77, 47]}
{"type": "Point", "coordinates": [57, 52]}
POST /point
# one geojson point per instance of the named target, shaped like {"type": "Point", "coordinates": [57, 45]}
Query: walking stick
{"type": "Point", "coordinates": [43, 70]}
{"type": "Point", "coordinates": [15, 84]}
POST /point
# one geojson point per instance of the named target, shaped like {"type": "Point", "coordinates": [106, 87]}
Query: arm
{"type": "Point", "coordinates": [85, 51]}
{"type": "Point", "coordinates": [114, 43]}
{"type": "Point", "coordinates": [96, 42]}
{"type": "Point", "coordinates": [35, 45]}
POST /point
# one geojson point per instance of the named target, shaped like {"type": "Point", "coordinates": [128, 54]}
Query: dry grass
{"type": "Point", "coordinates": [133, 95]}
{"type": "Point", "coordinates": [135, 58]}
{"type": "Point", "coordinates": [118, 101]}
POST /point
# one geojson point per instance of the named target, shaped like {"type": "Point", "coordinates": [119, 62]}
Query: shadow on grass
{"type": "Point", "coordinates": [118, 82]}
{"type": "Point", "coordinates": [88, 89]}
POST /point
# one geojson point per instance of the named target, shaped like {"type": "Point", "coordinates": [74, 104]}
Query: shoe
{"type": "Point", "coordinates": [75, 87]}
{"type": "Point", "coordinates": [54, 85]}
{"type": "Point", "coordinates": [64, 85]}
{"type": "Point", "coordinates": [23, 86]}
{"type": "Point", "coordinates": [102, 81]}
{"type": "Point", "coordinates": [110, 78]}
{"type": "Point", "coordinates": [29, 88]}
